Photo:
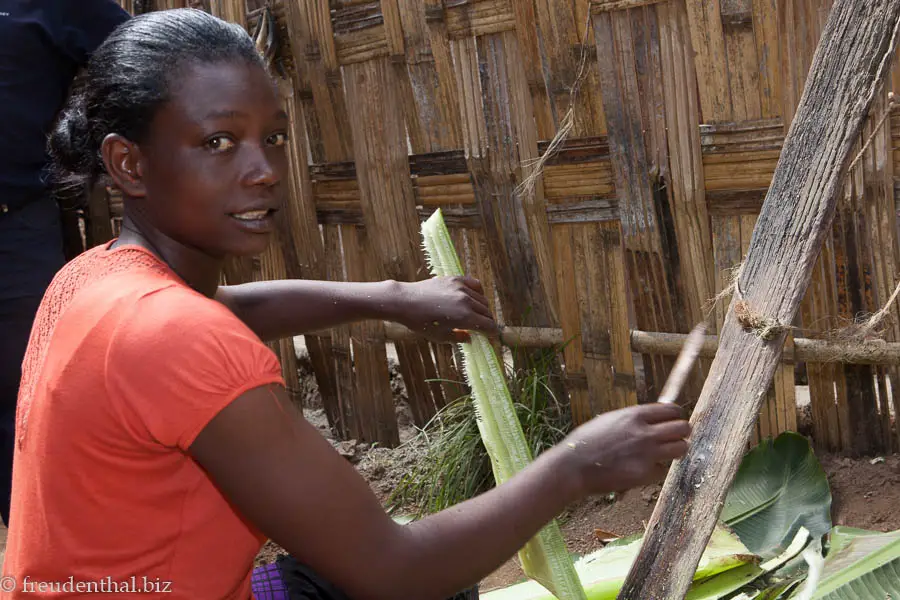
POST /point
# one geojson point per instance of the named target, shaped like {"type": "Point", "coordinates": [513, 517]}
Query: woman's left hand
{"type": "Point", "coordinates": [443, 308]}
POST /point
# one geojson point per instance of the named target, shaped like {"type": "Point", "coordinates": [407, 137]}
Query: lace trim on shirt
{"type": "Point", "coordinates": [80, 273]}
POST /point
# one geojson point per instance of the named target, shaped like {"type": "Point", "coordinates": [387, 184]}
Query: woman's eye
{"type": "Point", "coordinates": [278, 139]}
{"type": "Point", "coordinates": [220, 143]}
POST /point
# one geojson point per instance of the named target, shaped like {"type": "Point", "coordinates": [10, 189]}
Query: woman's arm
{"type": "Point", "coordinates": [438, 308]}
{"type": "Point", "coordinates": [288, 480]}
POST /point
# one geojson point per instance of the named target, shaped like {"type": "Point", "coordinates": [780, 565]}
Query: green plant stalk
{"type": "Point", "coordinates": [544, 558]}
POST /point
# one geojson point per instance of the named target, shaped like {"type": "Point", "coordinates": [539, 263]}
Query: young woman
{"type": "Point", "coordinates": [154, 436]}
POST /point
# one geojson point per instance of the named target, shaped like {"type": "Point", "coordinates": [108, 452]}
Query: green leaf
{"type": "Point", "coordinates": [544, 558]}
{"type": "Point", "coordinates": [725, 583]}
{"type": "Point", "coordinates": [779, 488]}
{"type": "Point", "coordinates": [603, 572]}
{"type": "Point", "coordinates": [861, 565]}
{"type": "Point", "coordinates": [731, 581]}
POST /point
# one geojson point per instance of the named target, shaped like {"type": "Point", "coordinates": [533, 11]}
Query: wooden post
{"type": "Point", "coordinates": [630, 75]}
{"type": "Point", "coordinates": [854, 52]}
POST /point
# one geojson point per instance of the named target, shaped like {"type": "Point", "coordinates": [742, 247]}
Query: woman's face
{"type": "Point", "coordinates": [214, 160]}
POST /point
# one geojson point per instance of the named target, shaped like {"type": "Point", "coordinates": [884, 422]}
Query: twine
{"type": "Point", "coordinates": [566, 125]}
{"type": "Point", "coordinates": [875, 131]}
{"type": "Point", "coordinates": [769, 328]}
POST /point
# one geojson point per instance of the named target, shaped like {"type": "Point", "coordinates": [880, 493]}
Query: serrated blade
{"type": "Point", "coordinates": [686, 359]}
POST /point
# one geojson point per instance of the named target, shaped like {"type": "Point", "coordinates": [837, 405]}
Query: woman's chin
{"type": "Point", "coordinates": [250, 246]}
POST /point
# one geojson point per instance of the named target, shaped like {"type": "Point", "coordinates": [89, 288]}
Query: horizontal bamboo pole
{"type": "Point", "coordinates": [669, 344]}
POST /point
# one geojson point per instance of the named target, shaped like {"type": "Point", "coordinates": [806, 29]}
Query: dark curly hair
{"type": "Point", "coordinates": [127, 79]}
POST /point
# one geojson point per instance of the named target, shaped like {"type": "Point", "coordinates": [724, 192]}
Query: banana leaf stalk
{"type": "Point", "coordinates": [544, 558]}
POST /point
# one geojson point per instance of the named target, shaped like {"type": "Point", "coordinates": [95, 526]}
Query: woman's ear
{"type": "Point", "coordinates": [124, 163]}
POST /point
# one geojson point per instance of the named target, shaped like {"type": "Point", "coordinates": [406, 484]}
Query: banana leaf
{"type": "Point", "coordinates": [779, 488]}
{"type": "Point", "coordinates": [780, 495]}
{"type": "Point", "coordinates": [861, 565]}
{"type": "Point", "coordinates": [603, 572]}
{"type": "Point", "coordinates": [724, 584]}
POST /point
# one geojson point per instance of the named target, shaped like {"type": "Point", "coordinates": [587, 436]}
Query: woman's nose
{"type": "Point", "coordinates": [260, 169]}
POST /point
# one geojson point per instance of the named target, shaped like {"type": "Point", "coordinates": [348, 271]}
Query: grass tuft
{"type": "Point", "coordinates": [455, 465]}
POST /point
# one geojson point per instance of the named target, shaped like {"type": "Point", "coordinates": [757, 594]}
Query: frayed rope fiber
{"type": "Point", "coordinates": [769, 328]}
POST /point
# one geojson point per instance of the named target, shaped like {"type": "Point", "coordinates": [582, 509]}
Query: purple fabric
{"type": "Point", "coordinates": [266, 583]}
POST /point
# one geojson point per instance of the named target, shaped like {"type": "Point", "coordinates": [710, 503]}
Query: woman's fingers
{"type": "Point", "coordinates": [670, 451]}
{"type": "Point", "coordinates": [671, 431]}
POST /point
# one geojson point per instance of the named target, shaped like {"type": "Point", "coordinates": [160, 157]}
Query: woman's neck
{"type": "Point", "coordinates": [200, 271]}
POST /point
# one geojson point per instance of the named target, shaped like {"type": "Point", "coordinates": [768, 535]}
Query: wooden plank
{"type": "Point", "coordinates": [533, 58]}
{"type": "Point", "coordinates": [374, 400]}
{"type": "Point", "coordinates": [740, 59]}
{"type": "Point", "coordinates": [871, 192]}
{"type": "Point", "coordinates": [610, 5]}
{"type": "Point", "coordinates": [776, 273]}
{"type": "Point", "coordinates": [728, 255]}
{"type": "Point", "coordinates": [725, 203]}
{"type": "Point", "coordinates": [570, 317]}
{"type": "Point", "coordinates": [233, 11]}
{"type": "Point", "coordinates": [858, 402]}
{"type": "Point", "coordinates": [433, 118]}
{"type": "Point", "coordinates": [522, 126]}
{"type": "Point", "coordinates": [272, 267]}
{"type": "Point", "coordinates": [708, 41]}
{"type": "Point", "coordinates": [313, 45]}
{"type": "Point", "coordinates": [512, 225]}
{"type": "Point", "coordinates": [388, 206]}
{"type": "Point", "coordinates": [623, 370]}
{"type": "Point", "coordinates": [686, 178]}
{"type": "Point", "coordinates": [881, 218]}
{"type": "Point", "coordinates": [348, 420]}
{"type": "Point", "coordinates": [768, 53]}
{"type": "Point", "coordinates": [304, 252]}
{"type": "Point", "coordinates": [475, 18]}
{"type": "Point", "coordinates": [432, 127]}
{"type": "Point", "coordinates": [833, 395]}
{"type": "Point", "coordinates": [593, 299]}
{"type": "Point", "coordinates": [626, 88]}
{"type": "Point", "coordinates": [743, 170]}
{"type": "Point", "coordinates": [553, 72]}
{"type": "Point", "coordinates": [826, 428]}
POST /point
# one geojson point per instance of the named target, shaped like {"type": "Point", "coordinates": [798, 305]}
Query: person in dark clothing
{"type": "Point", "coordinates": [43, 44]}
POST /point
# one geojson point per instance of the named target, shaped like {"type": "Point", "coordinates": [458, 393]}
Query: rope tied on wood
{"type": "Point", "coordinates": [765, 328]}
{"type": "Point", "coordinates": [769, 328]}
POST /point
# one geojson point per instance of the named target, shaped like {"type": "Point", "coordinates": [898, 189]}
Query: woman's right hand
{"type": "Point", "coordinates": [625, 448]}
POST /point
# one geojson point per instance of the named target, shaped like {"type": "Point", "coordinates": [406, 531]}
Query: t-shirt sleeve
{"type": "Point", "coordinates": [84, 24]}
{"type": "Point", "coordinates": [178, 359]}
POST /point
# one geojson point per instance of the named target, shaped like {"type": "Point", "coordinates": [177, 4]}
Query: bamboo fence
{"type": "Point", "coordinates": [674, 113]}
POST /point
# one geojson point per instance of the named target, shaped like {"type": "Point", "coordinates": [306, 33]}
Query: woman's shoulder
{"type": "Point", "coordinates": [146, 299]}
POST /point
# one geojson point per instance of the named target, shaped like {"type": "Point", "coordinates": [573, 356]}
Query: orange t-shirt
{"type": "Point", "coordinates": [125, 366]}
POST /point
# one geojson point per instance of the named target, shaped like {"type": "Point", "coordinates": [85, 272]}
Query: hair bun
{"type": "Point", "coordinates": [73, 165]}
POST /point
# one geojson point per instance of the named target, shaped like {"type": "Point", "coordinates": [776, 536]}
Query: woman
{"type": "Point", "coordinates": [154, 436]}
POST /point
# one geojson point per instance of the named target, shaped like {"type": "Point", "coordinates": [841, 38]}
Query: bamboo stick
{"type": "Point", "coordinates": [853, 53]}
{"type": "Point", "coordinates": [669, 344]}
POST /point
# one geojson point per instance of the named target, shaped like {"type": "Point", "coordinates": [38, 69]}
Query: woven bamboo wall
{"type": "Point", "coordinates": [403, 106]}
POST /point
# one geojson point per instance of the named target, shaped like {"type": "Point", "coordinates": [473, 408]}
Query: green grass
{"type": "Point", "coordinates": [456, 466]}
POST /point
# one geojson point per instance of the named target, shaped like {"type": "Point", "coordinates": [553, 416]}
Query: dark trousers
{"type": "Point", "coordinates": [30, 255]}
{"type": "Point", "coordinates": [303, 583]}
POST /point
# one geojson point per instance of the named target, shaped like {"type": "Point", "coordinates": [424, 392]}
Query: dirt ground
{"type": "Point", "coordinates": [866, 492]}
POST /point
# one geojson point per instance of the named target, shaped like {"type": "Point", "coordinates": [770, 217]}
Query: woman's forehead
{"type": "Point", "coordinates": [219, 90]}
